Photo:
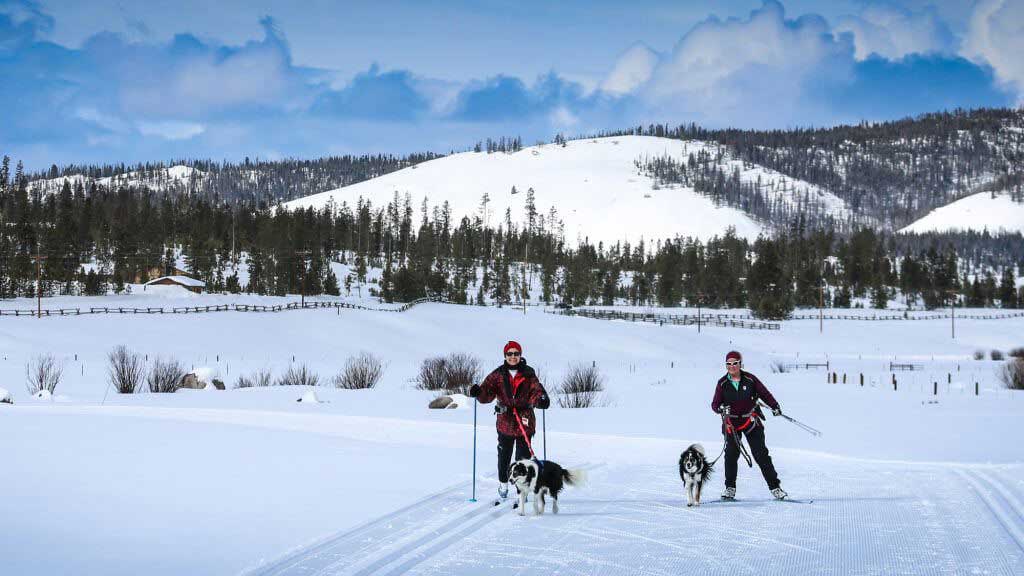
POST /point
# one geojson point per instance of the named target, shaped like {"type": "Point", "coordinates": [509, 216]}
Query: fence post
{"type": "Point", "coordinates": [975, 388]}
{"type": "Point", "coordinates": [949, 378]}
{"type": "Point", "coordinates": [893, 382]}
{"type": "Point", "coordinates": [862, 379]}
{"type": "Point", "coordinates": [844, 377]}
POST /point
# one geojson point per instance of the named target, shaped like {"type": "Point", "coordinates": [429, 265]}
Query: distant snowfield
{"type": "Point", "coordinates": [162, 179]}
{"type": "Point", "coordinates": [976, 212]}
{"type": "Point", "coordinates": [593, 184]}
{"type": "Point", "coordinates": [252, 482]}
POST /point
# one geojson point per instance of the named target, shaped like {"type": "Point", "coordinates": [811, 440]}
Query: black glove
{"type": "Point", "coordinates": [474, 390]}
{"type": "Point", "coordinates": [777, 411]}
{"type": "Point", "coordinates": [543, 402]}
{"type": "Point", "coordinates": [500, 408]}
{"type": "Point", "coordinates": [723, 410]}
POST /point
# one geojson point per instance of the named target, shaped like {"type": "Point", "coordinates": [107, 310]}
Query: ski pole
{"type": "Point", "coordinates": [809, 429]}
{"type": "Point", "coordinates": [473, 499]}
{"type": "Point", "coordinates": [544, 430]}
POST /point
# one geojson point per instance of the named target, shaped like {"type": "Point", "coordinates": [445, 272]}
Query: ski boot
{"type": "Point", "coordinates": [730, 493]}
{"type": "Point", "coordinates": [778, 493]}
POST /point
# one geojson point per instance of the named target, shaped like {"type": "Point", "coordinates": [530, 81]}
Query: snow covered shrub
{"type": "Point", "coordinates": [126, 369]}
{"type": "Point", "coordinates": [299, 376]}
{"type": "Point", "coordinates": [432, 376]}
{"type": "Point", "coordinates": [581, 387]}
{"type": "Point", "coordinates": [43, 373]}
{"type": "Point", "coordinates": [996, 355]}
{"type": "Point", "coordinates": [778, 367]}
{"type": "Point", "coordinates": [1016, 353]}
{"type": "Point", "coordinates": [258, 379]}
{"type": "Point", "coordinates": [360, 372]}
{"type": "Point", "coordinates": [461, 372]}
{"type": "Point", "coordinates": [165, 376]}
{"type": "Point", "coordinates": [979, 354]}
{"type": "Point", "coordinates": [453, 373]}
{"type": "Point", "coordinates": [1012, 374]}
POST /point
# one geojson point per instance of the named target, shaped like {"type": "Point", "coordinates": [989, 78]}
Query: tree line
{"type": "Point", "coordinates": [91, 240]}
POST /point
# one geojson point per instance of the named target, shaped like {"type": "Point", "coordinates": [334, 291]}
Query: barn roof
{"type": "Point", "coordinates": [183, 280]}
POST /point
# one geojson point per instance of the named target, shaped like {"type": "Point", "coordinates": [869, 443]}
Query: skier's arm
{"type": "Point", "coordinates": [763, 393]}
{"type": "Point", "coordinates": [489, 389]}
{"type": "Point", "coordinates": [716, 402]}
{"type": "Point", "coordinates": [538, 396]}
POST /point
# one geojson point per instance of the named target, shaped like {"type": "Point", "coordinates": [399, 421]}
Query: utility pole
{"type": "Point", "coordinates": [700, 297]}
{"type": "Point", "coordinates": [952, 313]}
{"type": "Point", "coordinates": [821, 306]}
{"type": "Point", "coordinates": [302, 254]}
{"type": "Point", "coordinates": [39, 282]}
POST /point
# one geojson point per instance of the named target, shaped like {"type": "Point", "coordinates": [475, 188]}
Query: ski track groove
{"type": "Point", "coordinates": [1004, 516]}
{"type": "Point", "coordinates": [295, 559]}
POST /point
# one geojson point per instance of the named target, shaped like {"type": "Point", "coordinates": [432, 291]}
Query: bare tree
{"type": "Point", "coordinates": [258, 379]}
{"type": "Point", "coordinates": [362, 371]}
{"type": "Point", "coordinates": [299, 376]}
{"type": "Point", "coordinates": [126, 369]}
{"type": "Point", "coordinates": [43, 373]}
{"type": "Point", "coordinates": [165, 376]}
{"type": "Point", "coordinates": [581, 387]}
{"type": "Point", "coordinates": [453, 373]}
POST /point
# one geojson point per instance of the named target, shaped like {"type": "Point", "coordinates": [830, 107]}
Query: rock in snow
{"type": "Point", "coordinates": [5, 397]}
{"type": "Point", "coordinates": [309, 397]}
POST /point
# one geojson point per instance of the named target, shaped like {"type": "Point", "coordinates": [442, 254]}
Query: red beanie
{"type": "Point", "coordinates": [512, 345]}
{"type": "Point", "coordinates": [734, 355]}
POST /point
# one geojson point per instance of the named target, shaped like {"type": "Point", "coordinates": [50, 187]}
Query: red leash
{"type": "Point", "coordinates": [523, 431]}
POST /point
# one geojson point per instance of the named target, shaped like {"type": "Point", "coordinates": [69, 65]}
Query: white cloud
{"type": "Point", "coordinates": [171, 129]}
{"type": "Point", "coordinates": [632, 69]}
{"type": "Point", "coordinates": [749, 71]}
{"type": "Point", "coordinates": [892, 32]}
{"type": "Point", "coordinates": [996, 38]}
{"type": "Point", "coordinates": [105, 121]}
{"type": "Point", "coordinates": [561, 118]}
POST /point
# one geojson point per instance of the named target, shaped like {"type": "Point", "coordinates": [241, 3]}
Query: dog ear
{"type": "Point", "coordinates": [531, 472]}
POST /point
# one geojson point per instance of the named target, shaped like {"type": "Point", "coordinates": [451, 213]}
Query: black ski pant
{"type": "Point", "coordinates": [505, 453]}
{"type": "Point", "coordinates": [755, 440]}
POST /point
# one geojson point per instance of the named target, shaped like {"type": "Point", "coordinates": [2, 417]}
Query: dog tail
{"type": "Point", "coordinates": [576, 477]}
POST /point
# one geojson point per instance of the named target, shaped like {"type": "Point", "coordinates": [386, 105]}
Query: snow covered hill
{"type": "Point", "coordinates": [593, 184]}
{"type": "Point", "coordinates": [982, 211]}
{"type": "Point", "coordinates": [175, 177]}
{"type": "Point", "coordinates": [373, 482]}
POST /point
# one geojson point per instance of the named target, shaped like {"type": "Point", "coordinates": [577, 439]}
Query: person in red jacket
{"type": "Point", "coordinates": [516, 387]}
{"type": "Point", "coordinates": [736, 396]}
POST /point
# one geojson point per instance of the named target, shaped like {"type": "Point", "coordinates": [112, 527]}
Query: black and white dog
{"type": "Point", "coordinates": [695, 470]}
{"type": "Point", "coordinates": [541, 477]}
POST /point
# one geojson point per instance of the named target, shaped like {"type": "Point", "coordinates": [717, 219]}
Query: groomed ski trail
{"type": "Point", "coordinates": [869, 518]}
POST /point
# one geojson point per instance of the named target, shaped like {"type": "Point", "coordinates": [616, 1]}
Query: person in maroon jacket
{"type": "Point", "coordinates": [516, 387]}
{"type": "Point", "coordinates": [736, 396]}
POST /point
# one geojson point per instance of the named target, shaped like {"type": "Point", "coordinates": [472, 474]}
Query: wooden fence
{"type": "Point", "coordinates": [671, 319]}
{"type": "Point", "coordinates": [214, 308]}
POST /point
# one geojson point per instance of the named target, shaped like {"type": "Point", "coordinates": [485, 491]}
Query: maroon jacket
{"type": "Point", "coordinates": [743, 400]}
{"type": "Point", "coordinates": [522, 393]}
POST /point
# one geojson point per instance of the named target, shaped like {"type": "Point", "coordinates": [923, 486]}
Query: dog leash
{"type": "Point", "coordinates": [738, 439]}
{"type": "Point", "coordinates": [526, 438]}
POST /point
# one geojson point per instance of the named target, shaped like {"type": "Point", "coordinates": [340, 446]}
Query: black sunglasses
{"type": "Point", "coordinates": [513, 353]}
{"type": "Point", "coordinates": [733, 363]}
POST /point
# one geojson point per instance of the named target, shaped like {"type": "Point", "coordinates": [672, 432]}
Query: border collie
{"type": "Point", "coordinates": [695, 470]}
{"type": "Point", "coordinates": [541, 477]}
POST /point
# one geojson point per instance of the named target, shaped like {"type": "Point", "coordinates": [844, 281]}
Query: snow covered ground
{"type": "Point", "coordinates": [593, 184]}
{"type": "Point", "coordinates": [173, 177]}
{"type": "Point", "coordinates": [977, 212]}
{"type": "Point", "coordinates": [372, 482]}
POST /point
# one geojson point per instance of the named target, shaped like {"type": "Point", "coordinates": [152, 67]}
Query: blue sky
{"type": "Point", "coordinates": [108, 81]}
